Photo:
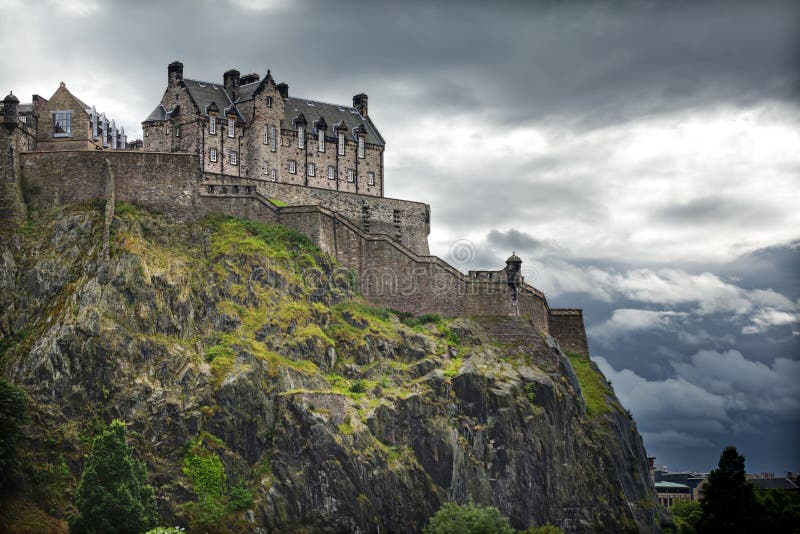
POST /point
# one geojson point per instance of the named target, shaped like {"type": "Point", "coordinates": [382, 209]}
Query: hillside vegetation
{"type": "Point", "coordinates": [264, 394]}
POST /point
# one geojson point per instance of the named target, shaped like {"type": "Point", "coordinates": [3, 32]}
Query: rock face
{"type": "Point", "coordinates": [335, 416]}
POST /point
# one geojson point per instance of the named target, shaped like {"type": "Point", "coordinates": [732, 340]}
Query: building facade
{"type": "Point", "coordinates": [250, 127]}
{"type": "Point", "coordinates": [64, 122]}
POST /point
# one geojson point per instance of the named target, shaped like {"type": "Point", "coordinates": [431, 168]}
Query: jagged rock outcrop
{"type": "Point", "coordinates": [335, 416]}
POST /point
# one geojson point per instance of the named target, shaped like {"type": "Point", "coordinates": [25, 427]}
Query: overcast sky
{"type": "Point", "coordinates": [642, 157]}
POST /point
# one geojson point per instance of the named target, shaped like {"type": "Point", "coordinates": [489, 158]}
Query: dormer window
{"type": "Point", "coordinates": [212, 125]}
{"type": "Point", "coordinates": [341, 143]}
{"type": "Point", "coordinates": [301, 137]}
{"type": "Point", "coordinates": [231, 127]}
{"type": "Point", "coordinates": [361, 147]}
{"type": "Point", "coordinates": [321, 140]}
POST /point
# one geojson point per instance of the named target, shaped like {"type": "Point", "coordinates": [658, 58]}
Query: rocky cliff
{"type": "Point", "coordinates": [241, 343]}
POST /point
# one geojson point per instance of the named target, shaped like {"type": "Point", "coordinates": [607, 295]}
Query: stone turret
{"type": "Point", "coordinates": [10, 110]}
{"type": "Point", "coordinates": [513, 271]}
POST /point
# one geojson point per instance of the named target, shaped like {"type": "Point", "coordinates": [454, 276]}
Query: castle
{"type": "Point", "coordinates": [212, 147]}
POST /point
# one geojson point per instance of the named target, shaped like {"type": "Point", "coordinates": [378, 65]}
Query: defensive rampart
{"type": "Point", "coordinates": [388, 272]}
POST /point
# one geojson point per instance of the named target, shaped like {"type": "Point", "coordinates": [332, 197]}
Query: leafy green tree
{"type": "Point", "coordinates": [728, 501]}
{"type": "Point", "coordinates": [468, 519]}
{"type": "Point", "coordinates": [13, 405]}
{"type": "Point", "coordinates": [687, 516]}
{"type": "Point", "coordinates": [113, 494]}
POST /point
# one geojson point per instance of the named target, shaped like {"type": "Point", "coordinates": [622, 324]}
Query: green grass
{"type": "Point", "coordinates": [278, 203]}
{"type": "Point", "coordinates": [596, 393]}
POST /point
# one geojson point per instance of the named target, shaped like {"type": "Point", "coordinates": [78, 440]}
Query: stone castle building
{"type": "Point", "coordinates": [246, 126]}
{"type": "Point", "coordinates": [245, 147]}
{"type": "Point", "coordinates": [64, 122]}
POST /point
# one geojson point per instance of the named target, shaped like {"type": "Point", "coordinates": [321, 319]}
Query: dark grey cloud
{"type": "Point", "coordinates": [714, 210]}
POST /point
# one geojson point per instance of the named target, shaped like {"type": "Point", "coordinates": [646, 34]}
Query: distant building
{"type": "Point", "coordinates": [64, 122]}
{"type": "Point", "coordinates": [671, 492]}
{"type": "Point", "coordinates": [692, 480]}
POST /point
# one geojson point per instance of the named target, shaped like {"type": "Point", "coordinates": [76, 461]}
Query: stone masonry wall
{"type": "Point", "coordinates": [410, 221]}
{"type": "Point", "coordinates": [566, 325]}
{"type": "Point", "coordinates": [13, 140]}
{"type": "Point", "coordinates": [387, 273]}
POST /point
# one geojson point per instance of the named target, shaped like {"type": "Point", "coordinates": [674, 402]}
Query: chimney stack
{"type": "Point", "coordinates": [231, 81]}
{"type": "Point", "coordinates": [360, 103]}
{"type": "Point", "coordinates": [283, 89]}
{"type": "Point", "coordinates": [249, 78]}
{"type": "Point", "coordinates": [174, 72]}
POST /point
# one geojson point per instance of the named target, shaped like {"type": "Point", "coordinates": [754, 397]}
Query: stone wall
{"type": "Point", "coordinates": [405, 221]}
{"type": "Point", "coordinates": [163, 182]}
{"type": "Point", "coordinates": [566, 325]}
{"type": "Point", "coordinates": [387, 273]}
{"type": "Point", "coordinates": [14, 138]}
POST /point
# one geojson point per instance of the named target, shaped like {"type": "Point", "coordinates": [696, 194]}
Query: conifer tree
{"type": "Point", "coordinates": [728, 501]}
{"type": "Point", "coordinates": [113, 495]}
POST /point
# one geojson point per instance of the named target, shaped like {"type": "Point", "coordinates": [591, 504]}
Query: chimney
{"type": "Point", "coordinates": [231, 81]}
{"type": "Point", "coordinates": [360, 103]}
{"type": "Point", "coordinates": [10, 110]}
{"type": "Point", "coordinates": [283, 89]}
{"type": "Point", "coordinates": [174, 72]}
{"type": "Point", "coordinates": [249, 78]}
{"type": "Point", "coordinates": [38, 103]}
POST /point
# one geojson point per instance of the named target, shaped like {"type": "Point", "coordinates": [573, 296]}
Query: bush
{"type": "Point", "coordinates": [468, 519]}
{"type": "Point", "coordinates": [113, 495]}
{"type": "Point", "coordinates": [359, 386]}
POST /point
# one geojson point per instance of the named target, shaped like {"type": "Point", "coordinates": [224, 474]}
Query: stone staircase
{"type": "Point", "coordinates": [510, 331]}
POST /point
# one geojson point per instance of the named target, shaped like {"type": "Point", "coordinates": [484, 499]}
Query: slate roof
{"type": "Point", "coordinates": [159, 114]}
{"type": "Point", "coordinates": [774, 483]}
{"type": "Point", "coordinates": [670, 485]}
{"type": "Point", "coordinates": [333, 114]}
{"type": "Point", "coordinates": [203, 93]}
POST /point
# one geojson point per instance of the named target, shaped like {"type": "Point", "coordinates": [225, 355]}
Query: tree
{"type": "Point", "coordinates": [113, 494]}
{"type": "Point", "coordinates": [728, 501]}
{"type": "Point", "coordinates": [468, 519]}
{"type": "Point", "coordinates": [13, 404]}
{"type": "Point", "coordinates": [687, 515]}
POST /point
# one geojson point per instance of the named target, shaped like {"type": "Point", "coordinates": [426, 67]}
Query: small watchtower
{"type": "Point", "coordinates": [513, 271]}
{"type": "Point", "coordinates": [10, 103]}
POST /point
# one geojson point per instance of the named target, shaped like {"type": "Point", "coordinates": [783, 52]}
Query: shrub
{"type": "Point", "coordinates": [359, 386]}
{"type": "Point", "coordinates": [468, 519]}
{"type": "Point", "coordinates": [13, 404]}
{"type": "Point", "coordinates": [113, 494]}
